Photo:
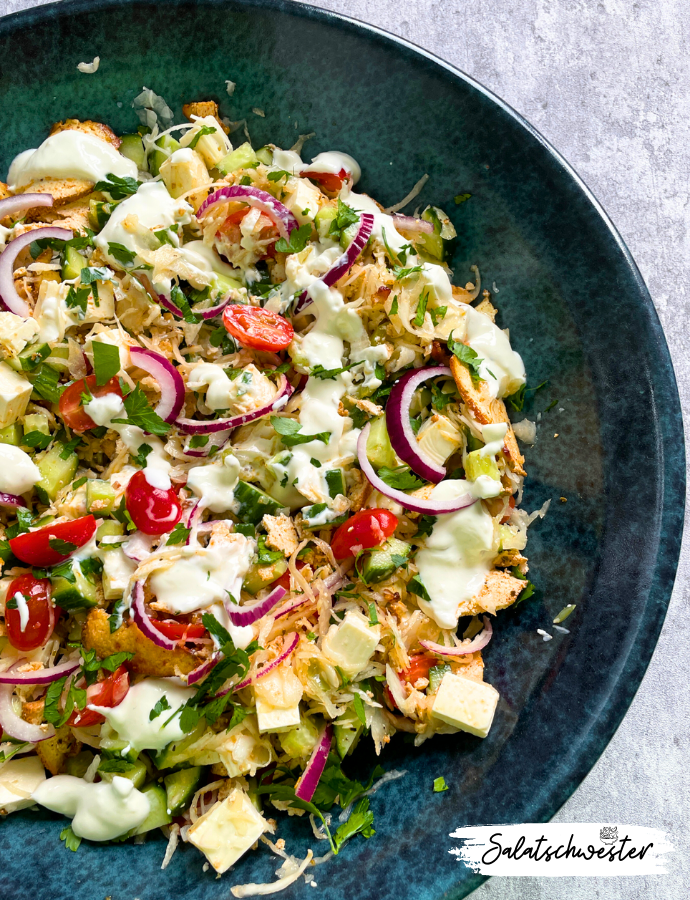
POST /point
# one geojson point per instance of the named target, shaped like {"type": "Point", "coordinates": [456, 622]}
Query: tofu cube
{"type": "Point", "coordinates": [304, 200]}
{"type": "Point", "coordinates": [228, 830]}
{"type": "Point", "coordinates": [466, 704]}
{"type": "Point", "coordinates": [182, 172]}
{"type": "Point", "coordinates": [117, 570]}
{"type": "Point", "coordinates": [211, 147]}
{"type": "Point", "coordinates": [15, 333]}
{"type": "Point", "coordinates": [19, 778]}
{"type": "Point", "coordinates": [351, 644]}
{"type": "Point", "coordinates": [273, 719]}
{"type": "Point", "coordinates": [14, 395]}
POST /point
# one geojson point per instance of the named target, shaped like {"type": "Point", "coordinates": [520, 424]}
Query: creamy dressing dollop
{"type": "Point", "coordinates": [69, 154]}
{"type": "Point", "coordinates": [18, 472]}
{"type": "Point", "coordinates": [132, 721]}
{"type": "Point", "coordinates": [99, 812]}
{"type": "Point", "coordinates": [458, 555]}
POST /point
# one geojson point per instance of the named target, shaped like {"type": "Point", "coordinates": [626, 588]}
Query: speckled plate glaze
{"type": "Point", "coordinates": [579, 313]}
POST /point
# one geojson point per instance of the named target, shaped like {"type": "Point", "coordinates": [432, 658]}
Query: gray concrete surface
{"type": "Point", "coordinates": [607, 83]}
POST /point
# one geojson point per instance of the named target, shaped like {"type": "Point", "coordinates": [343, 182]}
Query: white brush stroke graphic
{"type": "Point", "coordinates": [559, 849]}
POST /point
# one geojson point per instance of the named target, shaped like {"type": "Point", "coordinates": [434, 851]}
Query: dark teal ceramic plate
{"type": "Point", "coordinates": [611, 441]}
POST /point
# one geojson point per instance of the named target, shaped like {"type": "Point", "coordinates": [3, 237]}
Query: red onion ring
{"type": "Point", "coordinates": [217, 441]}
{"type": "Point", "coordinates": [11, 205]}
{"type": "Point", "coordinates": [203, 670]}
{"type": "Point", "coordinates": [8, 292]}
{"type": "Point", "coordinates": [11, 501]}
{"type": "Point", "coordinates": [431, 507]}
{"type": "Point", "coordinates": [143, 621]}
{"type": "Point", "coordinates": [409, 223]}
{"type": "Point", "coordinates": [247, 615]}
{"type": "Point", "coordinates": [308, 780]}
{"type": "Point", "coordinates": [38, 676]}
{"type": "Point", "coordinates": [288, 648]}
{"type": "Point", "coordinates": [14, 725]}
{"type": "Point", "coordinates": [205, 314]}
{"type": "Point", "coordinates": [343, 263]}
{"type": "Point", "coordinates": [194, 426]}
{"type": "Point", "coordinates": [477, 643]}
{"type": "Point", "coordinates": [402, 437]}
{"type": "Point", "coordinates": [169, 381]}
{"type": "Point", "coordinates": [280, 215]}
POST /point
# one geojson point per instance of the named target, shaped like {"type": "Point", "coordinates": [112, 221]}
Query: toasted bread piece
{"type": "Point", "coordinates": [148, 658]}
{"type": "Point", "coordinates": [67, 190]}
{"type": "Point", "coordinates": [54, 751]}
{"type": "Point", "coordinates": [487, 411]}
{"type": "Point", "coordinates": [97, 129]}
{"type": "Point", "coordinates": [203, 108]}
{"type": "Point", "coordinates": [281, 534]}
{"type": "Point", "coordinates": [499, 591]}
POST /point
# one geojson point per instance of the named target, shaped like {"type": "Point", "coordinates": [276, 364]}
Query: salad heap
{"type": "Point", "coordinates": [260, 492]}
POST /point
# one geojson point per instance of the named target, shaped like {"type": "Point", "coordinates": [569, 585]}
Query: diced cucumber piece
{"type": "Point", "coordinates": [265, 155]}
{"type": "Point", "coordinates": [158, 157]}
{"type": "Point", "coordinates": [432, 244]}
{"type": "Point", "coordinates": [347, 235]}
{"type": "Point", "coordinates": [99, 213]}
{"type": "Point", "coordinates": [136, 771]}
{"type": "Point", "coordinates": [180, 787]}
{"type": "Point", "coordinates": [324, 219]}
{"type": "Point", "coordinates": [113, 746]}
{"type": "Point", "coordinates": [436, 677]}
{"type": "Point", "coordinates": [346, 738]}
{"type": "Point", "coordinates": [36, 422]}
{"type": "Point", "coordinates": [259, 577]}
{"type": "Point", "coordinates": [477, 464]}
{"type": "Point", "coordinates": [335, 480]}
{"type": "Point", "coordinates": [132, 147]}
{"type": "Point", "coordinates": [253, 503]}
{"type": "Point", "coordinates": [174, 754]}
{"type": "Point", "coordinates": [313, 517]}
{"type": "Point", "coordinates": [71, 588]}
{"type": "Point", "coordinates": [158, 814]}
{"type": "Point", "coordinates": [13, 434]}
{"type": "Point", "coordinates": [58, 359]}
{"type": "Point", "coordinates": [73, 264]}
{"type": "Point", "coordinates": [77, 765]}
{"type": "Point", "coordinates": [380, 564]}
{"type": "Point", "coordinates": [100, 497]}
{"type": "Point", "coordinates": [55, 471]}
{"type": "Point", "coordinates": [241, 158]}
{"type": "Point", "coordinates": [226, 284]}
{"type": "Point", "coordinates": [110, 528]}
{"type": "Point", "coordinates": [299, 742]}
{"type": "Point", "coordinates": [30, 357]}
{"type": "Point", "coordinates": [379, 449]}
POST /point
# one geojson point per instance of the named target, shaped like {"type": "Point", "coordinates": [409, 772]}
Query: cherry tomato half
{"type": "Point", "coordinates": [153, 510]}
{"type": "Point", "coordinates": [178, 631]}
{"type": "Point", "coordinates": [329, 181]}
{"type": "Point", "coordinates": [51, 545]}
{"type": "Point", "coordinates": [418, 668]}
{"type": "Point", "coordinates": [72, 406]}
{"type": "Point", "coordinates": [257, 328]}
{"type": "Point", "coordinates": [109, 692]}
{"type": "Point", "coordinates": [41, 622]}
{"type": "Point", "coordinates": [367, 528]}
